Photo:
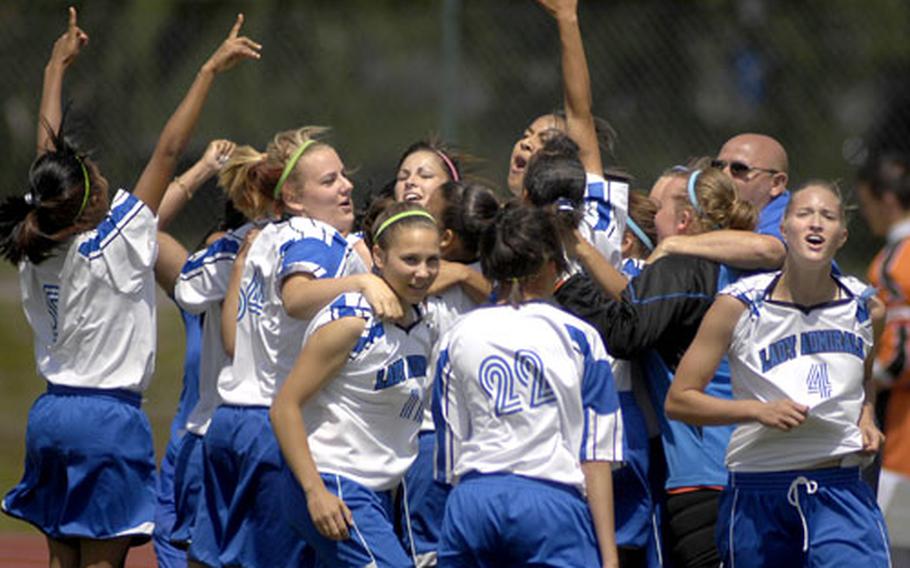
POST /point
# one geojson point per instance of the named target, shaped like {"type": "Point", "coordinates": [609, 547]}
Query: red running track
{"type": "Point", "coordinates": [24, 550]}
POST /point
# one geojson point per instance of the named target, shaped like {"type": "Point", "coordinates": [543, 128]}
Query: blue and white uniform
{"type": "Point", "coordinates": [425, 498]}
{"type": "Point", "coordinates": [362, 432]}
{"type": "Point", "coordinates": [606, 210]}
{"type": "Point", "coordinates": [239, 519]}
{"type": "Point", "coordinates": [90, 469]}
{"type": "Point", "coordinates": [200, 290]}
{"type": "Point", "coordinates": [778, 509]}
{"type": "Point", "coordinates": [516, 414]}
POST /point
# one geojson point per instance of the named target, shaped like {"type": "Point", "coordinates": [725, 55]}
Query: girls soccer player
{"type": "Point", "coordinates": [360, 381]}
{"type": "Point", "coordinates": [605, 199]}
{"type": "Point", "coordinates": [291, 270]}
{"type": "Point", "coordinates": [88, 289]}
{"type": "Point", "coordinates": [527, 423]}
{"type": "Point", "coordinates": [800, 345]}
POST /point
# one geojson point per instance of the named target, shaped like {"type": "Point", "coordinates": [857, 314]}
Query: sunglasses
{"type": "Point", "coordinates": [740, 169]}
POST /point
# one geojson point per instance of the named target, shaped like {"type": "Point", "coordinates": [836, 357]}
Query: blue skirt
{"type": "Point", "coordinates": [90, 466]}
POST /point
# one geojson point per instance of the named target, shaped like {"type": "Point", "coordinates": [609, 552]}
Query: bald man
{"type": "Point", "coordinates": [758, 165]}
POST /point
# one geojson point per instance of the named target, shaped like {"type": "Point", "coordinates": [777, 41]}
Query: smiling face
{"type": "Point", "coordinates": [410, 261]}
{"type": "Point", "coordinates": [320, 189]}
{"type": "Point", "coordinates": [814, 227]}
{"type": "Point", "coordinates": [419, 176]}
{"type": "Point", "coordinates": [532, 140]}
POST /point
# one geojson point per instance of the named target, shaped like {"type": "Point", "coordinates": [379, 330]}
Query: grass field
{"type": "Point", "coordinates": [20, 384]}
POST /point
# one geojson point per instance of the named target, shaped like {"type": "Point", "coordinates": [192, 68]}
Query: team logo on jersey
{"type": "Point", "coordinates": [51, 295]}
{"type": "Point", "coordinates": [251, 297]}
{"type": "Point", "coordinates": [410, 367]}
{"type": "Point", "coordinates": [810, 343]}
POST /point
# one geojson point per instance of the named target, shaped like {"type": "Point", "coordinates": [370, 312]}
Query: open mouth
{"type": "Point", "coordinates": [815, 239]}
{"type": "Point", "coordinates": [519, 163]}
{"type": "Point", "coordinates": [412, 196]}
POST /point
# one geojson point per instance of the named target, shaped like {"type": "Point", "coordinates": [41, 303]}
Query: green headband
{"type": "Point", "coordinates": [289, 167]}
{"type": "Point", "coordinates": [87, 186]}
{"type": "Point", "coordinates": [398, 217]}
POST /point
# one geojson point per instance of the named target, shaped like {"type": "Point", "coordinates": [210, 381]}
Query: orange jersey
{"type": "Point", "coordinates": [890, 274]}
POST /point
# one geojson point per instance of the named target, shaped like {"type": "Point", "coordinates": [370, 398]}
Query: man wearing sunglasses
{"type": "Point", "coordinates": [758, 165]}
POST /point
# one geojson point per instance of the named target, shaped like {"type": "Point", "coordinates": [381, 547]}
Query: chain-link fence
{"type": "Point", "coordinates": [676, 78]}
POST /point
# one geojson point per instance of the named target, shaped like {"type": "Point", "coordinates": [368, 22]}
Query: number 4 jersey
{"type": "Point", "coordinates": [812, 355]}
{"type": "Point", "coordinates": [525, 390]}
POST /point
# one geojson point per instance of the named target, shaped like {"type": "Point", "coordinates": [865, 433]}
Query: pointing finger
{"type": "Point", "coordinates": [72, 21]}
{"type": "Point", "coordinates": [236, 29]}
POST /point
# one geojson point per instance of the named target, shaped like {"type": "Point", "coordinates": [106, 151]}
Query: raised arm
{"type": "Point", "coordinates": [182, 187]}
{"type": "Point", "coordinates": [158, 172]}
{"type": "Point", "coordinates": [322, 358]}
{"type": "Point", "coordinates": [65, 51]}
{"type": "Point", "coordinates": [576, 83]}
{"type": "Point", "coordinates": [687, 401]}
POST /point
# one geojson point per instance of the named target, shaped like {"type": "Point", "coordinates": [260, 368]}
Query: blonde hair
{"type": "Point", "coordinates": [717, 203]}
{"type": "Point", "coordinates": [249, 177]}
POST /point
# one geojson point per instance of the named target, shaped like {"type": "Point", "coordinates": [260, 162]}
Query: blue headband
{"type": "Point", "coordinates": [645, 240]}
{"type": "Point", "coordinates": [693, 199]}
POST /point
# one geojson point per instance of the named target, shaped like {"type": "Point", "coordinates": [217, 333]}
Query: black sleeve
{"type": "Point", "coordinates": [660, 309]}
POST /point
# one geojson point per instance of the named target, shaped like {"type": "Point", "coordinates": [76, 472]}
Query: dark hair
{"type": "Point", "coordinates": [469, 209]}
{"type": "Point", "coordinates": [555, 178]}
{"type": "Point", "coordinates": [606, 134]}
{"type": "Point", "coordinates": [887, 173]}
{"type": "Point", "coordinates": [52, 210]}
{"type": "Point", "coordinates": [518, 244]}
{"type": "Point", "coordinates": [394, 208]}
{"type": "Point", "coordinates": [451, 162]}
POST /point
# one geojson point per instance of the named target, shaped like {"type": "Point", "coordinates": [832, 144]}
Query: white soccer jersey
{"type": "Point", "coordinates": [200, 289]}
{"type": "Point", "coordinates": [812, 356]}
{"type": "Point", "coordinates": [363, 423]}
{"type": "Point", "coordinates": [606, 209]}
{"type": "Point", "coordinates": [91, 305]}
{"type": "Point", "coordinates": [524, 390]}
{"type": "Point", "coordinates": [268, 339]}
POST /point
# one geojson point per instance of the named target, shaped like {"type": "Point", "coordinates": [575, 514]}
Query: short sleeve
{"type": "Point", "coordinates": [602, 437]}
{"type": "Point", "coordinates": [123, 248]}
{"type": "Point", "coordinates": [605, 213]}
{"type": "Point", "coordinates": [315, 256]}
{"type": "Point", "coordinates": [204, 278]}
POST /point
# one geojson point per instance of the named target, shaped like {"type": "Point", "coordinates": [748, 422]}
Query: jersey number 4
{"type": "Point", "coordinates": [497, 379]}
{"type": "Point", "coordinates": [817, 381]}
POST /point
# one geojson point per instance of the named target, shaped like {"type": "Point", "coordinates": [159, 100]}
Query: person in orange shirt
{"type": "Point", "coordinates": [883, 190]}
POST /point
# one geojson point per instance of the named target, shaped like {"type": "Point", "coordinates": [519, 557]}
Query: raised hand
{"type": "Point", "coordinates": [557, 7]}
{"type": "Point", "coordinates": [217, 154]}
{"type": "Point", "coordinates": [234, 49]}
{"type": "Point", "coordinates": [67, 46]}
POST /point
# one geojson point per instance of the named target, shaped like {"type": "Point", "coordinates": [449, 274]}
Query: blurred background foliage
{"type": "Point", "coordinates": [829, 78]}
